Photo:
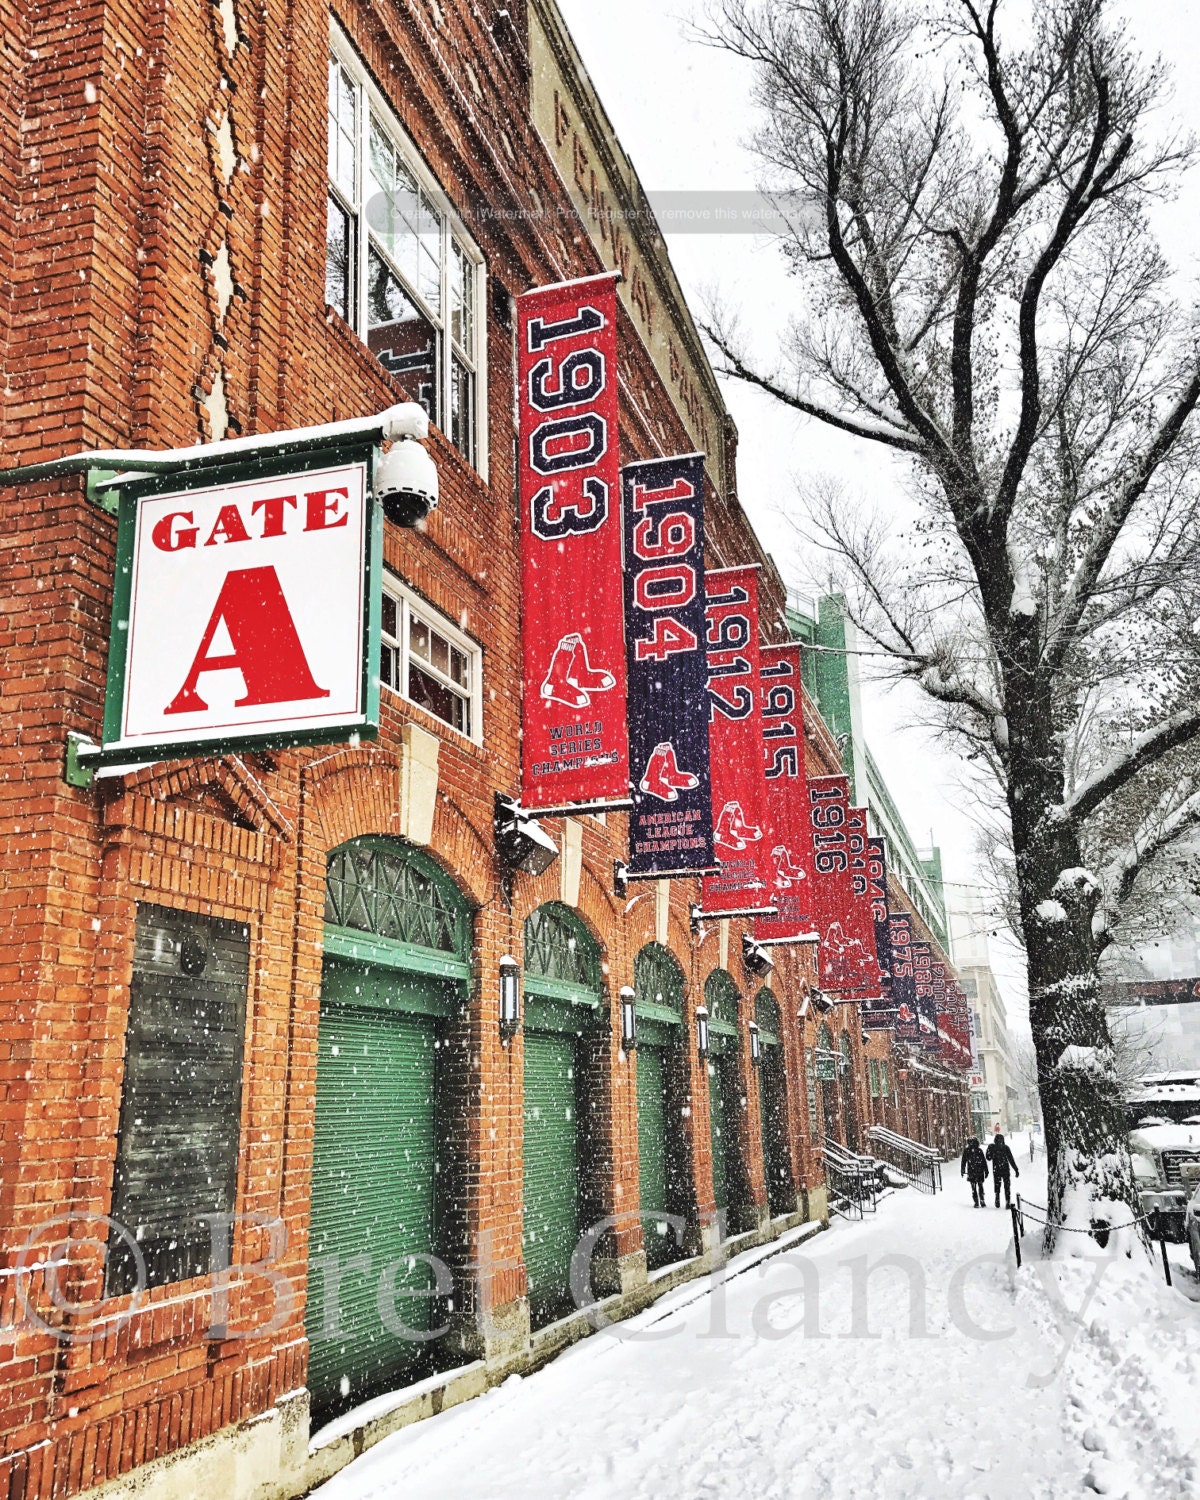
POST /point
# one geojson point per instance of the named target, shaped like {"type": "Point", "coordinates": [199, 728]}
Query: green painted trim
{"type": "Point", "coordinates": [361, 985]}
{"type": "Point", "coordinates": [647, 1010]}
{"type": "Point", "coordinates": [369, 948]}
{"type": "Point", "coordinates": [118, 635]}
{"type": "Point", "coordinates": [542, 988]}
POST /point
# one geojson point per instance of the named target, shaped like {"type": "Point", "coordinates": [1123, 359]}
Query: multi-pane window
{"type": "Point", "coordinates": [430, 662]}
{"type": "Point", "coordinates": [398, 266]}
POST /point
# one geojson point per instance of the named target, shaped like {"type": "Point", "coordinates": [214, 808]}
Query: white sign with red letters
{"type": "Point", "coordinates": [246, 616]}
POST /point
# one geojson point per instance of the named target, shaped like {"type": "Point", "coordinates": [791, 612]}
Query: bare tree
{"type": "Point", "coordinates": [982, 295]}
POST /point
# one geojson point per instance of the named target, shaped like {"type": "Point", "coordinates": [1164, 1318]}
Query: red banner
{"type": "Point", "coordinates": [574, 749]}
{"type": "Point", "coordinates": [741, 826]}
{"type": "Point", "coordinates": [862, 911]}
{"type": "Point", "coordinates": [790, 854]}
{"type": "Point", "coordinates": [846, 961]}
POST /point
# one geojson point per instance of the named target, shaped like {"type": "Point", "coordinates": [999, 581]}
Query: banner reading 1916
{"type": "Point", "coordinates": [670, 827]}
{"type": "Point", "coordinates": [783, 746]}
{"type": "Point", "coordinates": [741, 831]}
{"type": "Point", "coordinates": [575, 748]}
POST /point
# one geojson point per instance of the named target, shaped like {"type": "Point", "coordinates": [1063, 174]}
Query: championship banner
{"type": "Point", "coordinates": [791, 848]}
{"type": "Point", "coordinates": [923, 977]}
{"type": "Point", "coordinates": [574, 748]}
{"type": "Point", "coordinates": [845, 964]}
{"type": "Point", "coordinates": [863, 915]}
{"type": "Point", "coordinates": [671, 825]}
{"type": "Point", "coordinates": [904, 988]}
{"type": "Point", "coordinates": [741, 831]}
{"type": "Point", "coordinates": [882, 1017]}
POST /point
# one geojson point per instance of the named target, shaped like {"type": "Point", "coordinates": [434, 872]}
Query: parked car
{"type": "Point", "coordinates": [1193, 1229]}
{"type": "Point", "coordinates": [1166, 1164]}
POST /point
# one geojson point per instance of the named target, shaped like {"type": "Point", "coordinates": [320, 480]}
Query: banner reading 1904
{"type": "Point", "coordinates": [574, 750]}
{"type": "Point", "coordinates": [671, 826]}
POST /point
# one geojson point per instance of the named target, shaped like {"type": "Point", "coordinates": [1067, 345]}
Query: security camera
{"type": "Point", "coordinates": [406, 478]}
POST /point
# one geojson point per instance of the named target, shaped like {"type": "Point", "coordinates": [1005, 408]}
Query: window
{"type": "Point", "coordinates": [883, 1080]}
{"type": "Point", "coordinates": [398, 265]}
{"type": "Point", "coordinates": [429, 661]}
{"type": "Point", "coordinates": [874, 1073]}
{"type": "Point", "coordinates": [810, 1078]}
{"type": "Point", "coordinates": [177, 1145]}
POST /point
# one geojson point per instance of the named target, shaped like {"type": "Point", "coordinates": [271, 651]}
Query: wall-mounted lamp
{"type": "Point", "coordinates": [702, 1030]}
{"type": "Point", "coordinates": [821, 1004]}
{"type": "Point", "coordinates": [803, 1011]}
{"type": "Point", "coordinates": [521, 841]}
{"type": "Point", "coordinates": [510, 996]}
{"type": "Point", "coordinates": [628, 1019]}
{"type": "Point", "coordinates": [755, 957]}
{"type": "Point", "coordinates": [755, 1045]}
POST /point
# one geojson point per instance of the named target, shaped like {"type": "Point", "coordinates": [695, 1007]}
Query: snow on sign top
{"type": "Point", "coordinates": [246, 617]}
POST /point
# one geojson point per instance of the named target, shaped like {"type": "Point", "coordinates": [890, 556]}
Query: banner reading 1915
{"type": "Point", "coordinates": [783, 746]}
{"type": "Point", "coordinates": [670, 827]}
{"type": "Point", "coordinates": [574, 750]}
{"type": "Point", "coordinates": [741, 830]}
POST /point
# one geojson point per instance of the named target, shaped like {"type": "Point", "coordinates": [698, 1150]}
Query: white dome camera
{"type": "Point", "coordinates": [406, 478]}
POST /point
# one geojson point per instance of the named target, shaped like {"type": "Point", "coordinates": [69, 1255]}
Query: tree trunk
{"type": "Point", "coordinates": [1087, 1151]}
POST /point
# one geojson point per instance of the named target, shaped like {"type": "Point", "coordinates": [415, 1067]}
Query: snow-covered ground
{"type": "Point", "coordinates": [901, 1356]}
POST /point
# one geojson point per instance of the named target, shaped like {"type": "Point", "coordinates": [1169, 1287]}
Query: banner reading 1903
{"type": "Point", "coordinates": [574, 750]}
{"type": "Point", "coordinates": [670, 827]}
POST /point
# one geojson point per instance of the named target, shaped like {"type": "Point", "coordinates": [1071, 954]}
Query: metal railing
{"type": "Point", "coordinates": [855, 1182]}
{"type": "Point", "coordinates": [918, 1164]}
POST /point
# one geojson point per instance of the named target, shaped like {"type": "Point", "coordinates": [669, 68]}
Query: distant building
{"type": "Point", "coordinates": [994, 1092]}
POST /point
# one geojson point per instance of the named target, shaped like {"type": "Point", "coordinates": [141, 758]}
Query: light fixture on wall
{"type": "Point", "coordinates": [755, 957]}
{"type": "Point", "coordinates": [510, 996]}
{"type": "Point", "coordinates": [821, 1004]}
{"type": "Point", "coordinates": [702, 1030]}
{"type": "Point", "coordinates": [755, 1045]}
{"type": "Point", "coordinates": [628, 1019]}
{"type": "Point", "coordinates": [521, 841]}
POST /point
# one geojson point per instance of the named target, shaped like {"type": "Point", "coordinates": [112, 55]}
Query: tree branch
{"type": "Point", "coordinates": [1121, 769]}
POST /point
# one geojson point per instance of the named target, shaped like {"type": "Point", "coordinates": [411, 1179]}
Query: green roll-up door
{"type": "Point", "coordinates": [374, 1171]}
{"type": "Point", "coordinates": [720, 1126]}
{"type": "Point", "coordinates": [551, 1156]}
{"type": "Point", "coordinates": [652, 1155]}
{"type": "Point", "coordinates": [770, 1098]}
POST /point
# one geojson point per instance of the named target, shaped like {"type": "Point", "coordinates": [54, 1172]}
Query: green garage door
{"type": "Point", "coordinates": [397, 941]}
{"type": "Point", "coordinates": [562, 1001]}
{"type": "Point", "coordinates": [652, 1154]}
{"type": "Point", "coordinates": [372, 1203]}
{"type": "Point", "coordinates": [724, 1088]}
{"type": "Point", "coordinates": [776, 1157]}
{"type": "Point", "coordinates": [658, 989]}
{"type": "Point", "coordinates": [551, 1222]}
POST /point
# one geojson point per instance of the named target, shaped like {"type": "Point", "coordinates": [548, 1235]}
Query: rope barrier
{"type": "Point", "coordinates": [1017, 1210]}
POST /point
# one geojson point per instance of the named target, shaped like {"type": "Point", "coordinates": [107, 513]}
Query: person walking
{"type": "Point", "coordinates": [975, 1169]}
{"type": "Point", "coordinates": [1003, 1162]}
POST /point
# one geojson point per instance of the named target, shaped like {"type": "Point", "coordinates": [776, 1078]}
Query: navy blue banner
{"type": "Point", "coordinates": [670, 827]}
{"type": "Point", "coordinates": [881, 1016]}
{"type": "Point", "coordinates": [904, 985]}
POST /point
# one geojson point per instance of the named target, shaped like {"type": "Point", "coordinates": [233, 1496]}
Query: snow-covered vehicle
{"type": "Point", "coordinates": [1166, 1166]}
{"type": "Point", "coordinates": [1193, 1229]}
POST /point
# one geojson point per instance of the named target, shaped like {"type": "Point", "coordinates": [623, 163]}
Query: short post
{"type": "Point", "coordinates": [1162, 1245]}
{"type": "Point", "coordinates": [1016, 1223]}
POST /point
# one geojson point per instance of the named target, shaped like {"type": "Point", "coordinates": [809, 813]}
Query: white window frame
{"type": "Point", "coordinates": [372, 104]}
{"type": "Point", "coordinates": [409, 604]}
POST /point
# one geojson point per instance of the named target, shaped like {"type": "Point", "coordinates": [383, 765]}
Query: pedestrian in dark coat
{"type": "Point", "coordinates": [1003, 1162]}
{"type": "Point", "coordinates": [975, 1170]}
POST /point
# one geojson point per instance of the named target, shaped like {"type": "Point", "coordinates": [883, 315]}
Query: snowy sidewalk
{"type": "Point", "coordinates": [916, 1366]}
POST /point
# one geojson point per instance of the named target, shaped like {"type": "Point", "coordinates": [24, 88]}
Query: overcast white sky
{"type": "Point", "coordinates": [683, 113]}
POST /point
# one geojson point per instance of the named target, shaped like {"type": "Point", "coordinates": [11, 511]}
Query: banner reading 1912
{"type": "Point", "coordinates": [670, 827]}
{"type": "Point", "coordinates": [575, 746]}
{"type": "Point", "coordinates": [783, 755]}
{"type": "Point", "coordinates": [741, 830]}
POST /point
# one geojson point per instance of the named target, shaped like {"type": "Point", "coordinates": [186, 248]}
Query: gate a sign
{"type": "Point", "coordinates": [241, 614]}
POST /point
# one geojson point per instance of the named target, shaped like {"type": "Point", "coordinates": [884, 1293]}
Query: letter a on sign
{"type": "Point", "coordinates": [261, 637]}
{"type": "Point", "coordinates": [266, 649]}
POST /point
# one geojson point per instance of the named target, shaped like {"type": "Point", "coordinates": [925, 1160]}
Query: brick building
{"type": "Point", "coordinates": [223, 980]}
